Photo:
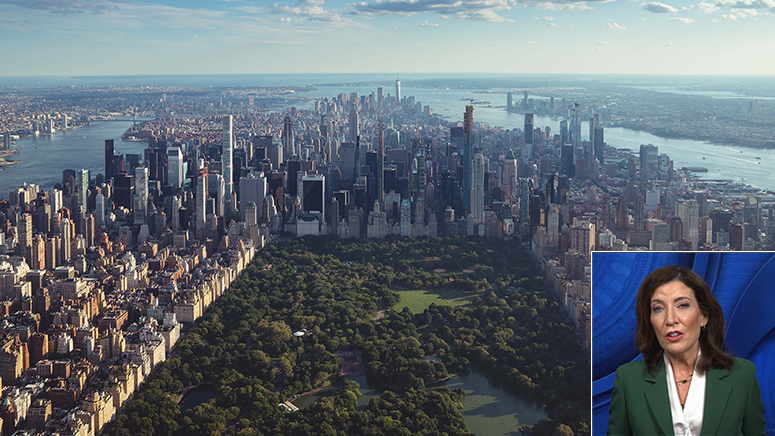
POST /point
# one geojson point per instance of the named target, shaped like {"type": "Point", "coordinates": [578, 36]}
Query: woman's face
{"type": "Point", "coordinates": [677, 319]}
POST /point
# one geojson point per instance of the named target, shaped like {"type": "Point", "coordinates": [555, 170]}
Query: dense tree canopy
{"type": "Point", "coordinates": [244, 347]}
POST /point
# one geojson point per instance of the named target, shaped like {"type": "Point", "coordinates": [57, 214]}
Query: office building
{"type": "Point", "coordinates": [174, 167]}
{"type": "Point", "coordinates": [227, 157]}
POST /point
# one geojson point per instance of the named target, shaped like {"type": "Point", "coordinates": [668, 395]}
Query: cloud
{"type": "Point", "coordinates": [310, 10]}
{"type": "Point", "coordinates": [547, 18]}
{"type": "Point", "coordinates": [552, 6]}
{"type": "Point", "coordinates": [283, 20]}
{"type": "Point", "coordinates": [603, 42]}
{"type": "Point", "coordinates": [729, 17]}
{"type": "Point", "coordinates": [743, 13]}
{"type": "Point", "coordinates": [251, 9]}
{"type": "Point", "coordinates": [614, 26]}
{"type": "Point", "coordinates": [659, 8]}
{"type": "Point", "coordinates": [570, 25]}
{"type": "Point", "coordinates": [669, 44]}
{"type": "Point", "coordinates": [551, 25]}
{"type": "Point", "coordinates": [748, 4]}
{"type": "Point", "coordinates": [64, 6]}
{"type": "Point", "coordinates": [481, 10]}
{"type": "Point", "coordinates": [714, 20]}
{"type": "Point", "coordinates": [427, 24]}
{"type": "Point", "coordinates": [682, 20]}
{"type": "Point", "coordinates": [705, 8]}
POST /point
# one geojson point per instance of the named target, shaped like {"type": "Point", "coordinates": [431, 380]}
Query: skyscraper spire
{"type": "Point", "coordinates": [380, 163]}
{"type": "Point", "coordinates": [228, 159]}
{"type": "Point", "coordinates": [468, 128]}
{"type": "Point", "coordinates": [398, 91]}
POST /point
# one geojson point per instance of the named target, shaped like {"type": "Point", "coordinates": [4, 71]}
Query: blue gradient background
{"type": "Point", "coordinates": [743, 283]}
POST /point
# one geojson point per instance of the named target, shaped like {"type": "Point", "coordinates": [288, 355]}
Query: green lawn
{"type": "Point", "coordinates": [419, 300]}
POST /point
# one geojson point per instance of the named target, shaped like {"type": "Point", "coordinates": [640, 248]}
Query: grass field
{"type": "Point", "coordinates": [419, 300]}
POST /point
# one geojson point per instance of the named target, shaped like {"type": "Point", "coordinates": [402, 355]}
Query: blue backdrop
{"type": "Point", "coordinates": [743, 283]}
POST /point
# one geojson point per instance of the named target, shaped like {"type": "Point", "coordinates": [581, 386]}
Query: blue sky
{"type": "Point", "coordinates": [118, 37]}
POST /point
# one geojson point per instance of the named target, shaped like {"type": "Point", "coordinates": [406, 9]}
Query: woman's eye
{"type": "Point", "coordinates": [683, 305]}
{"type": "Point", "coordinates": [656, 309]}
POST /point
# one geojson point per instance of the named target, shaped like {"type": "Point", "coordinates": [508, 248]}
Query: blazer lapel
{"type": "Point", "coordinates": [657, 398]}
{"type": "Point", "coordinates": [716, 399]}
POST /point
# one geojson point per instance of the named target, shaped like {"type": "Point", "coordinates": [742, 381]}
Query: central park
{"type": "Point", "coordinates": [409, 315]}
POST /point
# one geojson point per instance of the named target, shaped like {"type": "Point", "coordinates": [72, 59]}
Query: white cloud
{"type": "Point", "coordinates": [251, 9]}
{"type": "Point", "coordinates": [614, 26]}
{"type": "Point", "coordinates": [714, 20]}
{"type": "Point", "coordinates": [706, 8]}
{"type": "Point", "coordinates": [729, 17]}
{"type": "Point", "coordinates": [603, 42]}
{"type": "Point", "coordinates": [682, 20]}
{"type": "Point", "coordinates": [546, 18]}
{"type": "Point", "coordinates": [482, 10]}
{"type": "Point", "coordinates": [551, 25]}
{"type": "Point", "coordinates": [558, 6]}
{"type": "Point", "coordinates": [308, 10]}
{"type": "Point", "coordinates": [427, 24]}
{"type": "Point", "coordinates": [283, 20]}
{"type": "Point", "coordinates": [64, 6]}
{"type": "Point", "coordinates": [669, 44]}
{"type": "Point", "coordinates": [748, 4]}
{"type": "Point", "coordinates": [659, 8]}
{"type": "Point", "coordinates": [570, 25]}
{"type": "Point", "coordinates": [743, 13]}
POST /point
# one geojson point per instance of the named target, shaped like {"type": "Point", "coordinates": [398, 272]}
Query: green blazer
{"type": "Point", "coordinates": [640, 405]}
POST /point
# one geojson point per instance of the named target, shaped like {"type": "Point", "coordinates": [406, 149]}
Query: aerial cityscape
{"type": "Point", "coordinates": [196, 240]}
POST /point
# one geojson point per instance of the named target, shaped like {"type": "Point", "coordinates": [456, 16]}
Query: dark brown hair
{"type": "Point", "coordinates": [711, 339]}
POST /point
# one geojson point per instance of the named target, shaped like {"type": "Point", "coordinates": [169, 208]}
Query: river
{"type": "Point", "coordinates": [46, 156]}
{"type": "Point", "coordinates": [488, 410]}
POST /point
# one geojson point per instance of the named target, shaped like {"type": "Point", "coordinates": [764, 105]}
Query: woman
{"type": "Point", "coordinates": [686, 383]}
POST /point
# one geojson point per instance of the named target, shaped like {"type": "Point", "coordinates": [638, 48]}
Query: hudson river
{"type": "Point", "coordinates": [46, 156]}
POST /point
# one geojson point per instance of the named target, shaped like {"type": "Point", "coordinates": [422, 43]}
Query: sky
{"type": "Point", "coordinates": [137, 37]}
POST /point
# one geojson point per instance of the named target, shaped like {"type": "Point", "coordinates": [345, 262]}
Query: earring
{"type": "Point", "coordinates": [702, 328]}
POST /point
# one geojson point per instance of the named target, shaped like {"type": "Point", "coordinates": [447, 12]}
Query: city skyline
{"type": "Point", "coordinates": [112, 37]}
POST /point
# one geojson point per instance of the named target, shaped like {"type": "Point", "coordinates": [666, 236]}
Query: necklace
{"type": "Point", "coordinates": [684, 381]}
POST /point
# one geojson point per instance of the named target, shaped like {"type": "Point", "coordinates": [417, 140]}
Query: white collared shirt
{"type": "Point", "coordinates": [687, 421]}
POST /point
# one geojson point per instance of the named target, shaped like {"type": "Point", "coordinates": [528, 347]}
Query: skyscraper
{"type": "Point", "coordinates": [509, 102]}
{"type": "Point", "coordinates": [141, 195]}
{"type": "Point", "coordinates": [468, 128]}
{"type": "Point", "coordinates": [477, 199]}
{"type": "Point", "coordinates": [380, 188]}
{"type": "Point", "coordinates": [252, 189]}
{"type": "Point", "coordinates": [174, 167]}
{"type": "Point", "coordinates": [313, 190]}
{"type": "Point", "coordinates": [353, 126]}
{"type": "Point", "coordinates": [82, 181]}
{"type": "Point", "coordinates": [563, 132]}
{"type": "Point", "coordinates": [201, 199]}
{"type": "Point", "coordinates": [528, 128]}
{"type": "Point", "coordinates": [649, 163]}
{"type": "Point", "coordinates": [288, 145]}
{"type": "Point", "coordinates": [398, 91]}
{"type": "Point", "coordinates": [598, 143]}
{"type": "Point", "coordinates": [24, 232]}
{"type": "Point", "coordinates": [380, 101]}
{"type": "Point", "coordinates": [100, 209]}
{"type": "Point", "coordinates": [111, 169]}
{"type": "Point", "coordinates": [575, 126]}
{"type": "Point", "coordinates": [228, 158]}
